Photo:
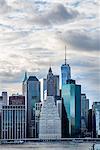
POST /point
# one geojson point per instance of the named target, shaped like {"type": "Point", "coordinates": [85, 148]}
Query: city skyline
{"type": "Point", "coordinates": [32, 39]}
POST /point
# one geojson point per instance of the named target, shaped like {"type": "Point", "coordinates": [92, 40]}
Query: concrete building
{"type": "Point", "coordinates": [71, 111]}
{"type": "Point", "coordinates": [33, 97]}
{"type": "Point", "coordinates": [50, 122]}
{"type": "Point", "coordinates": [13, 122]}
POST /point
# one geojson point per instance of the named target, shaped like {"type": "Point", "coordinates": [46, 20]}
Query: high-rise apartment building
{"type": "Point", "coordinates": [71, 123]}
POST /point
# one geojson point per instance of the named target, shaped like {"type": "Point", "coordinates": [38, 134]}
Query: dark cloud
{"type": "Point", "coordinates": [82, 40]}
{"type": "Point", "coordinates": [57, 14]}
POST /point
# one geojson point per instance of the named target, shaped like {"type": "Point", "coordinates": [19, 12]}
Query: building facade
{"type": "Point", "coordinates": [13, 122]}
{"type": "Point", "coordinates": [33, 96]}
{"type": "Point", "coordinates": [50, 83]}
{"type": "Point", "coordinates": [24, 89]}
{"type": "Point", "coordinates": [17, 100]}
{"type": "Point", "coordinates": [37, 118]}
{"type": "Point", "coordinates": [96, 119]}
{"type": "Point", "coordinates": [50, 122]}
{"type": "Point", "coordinates": [71, 94]}
{"type": "Point", "coordinates": [84, 111]}
{"type": "Point", "coordinates": [65, 71]}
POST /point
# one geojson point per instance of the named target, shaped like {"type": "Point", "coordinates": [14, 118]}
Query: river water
{"type": "Point", "coordinates": [49, 146]}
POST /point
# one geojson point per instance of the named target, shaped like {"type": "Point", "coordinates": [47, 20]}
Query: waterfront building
{"type": "Point", "coordinates": [84, 112]}
{"type": "Point", "coordinates": [96, 119]}
{"type": "Point", "coordinates": [33, 96]}
{"type": "Point", "coordinates": [13, 122]}
{"type": "Point", "coordinates": [65, 72]}
{"type": "Point", "coordinates": [71, 109]}
{"type": "Point", "coordinates": [43, 88]}
{"type": "Point", "coordinates": [50, 122]}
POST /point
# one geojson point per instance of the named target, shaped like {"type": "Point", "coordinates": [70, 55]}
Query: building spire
{"type": "Point", "coordinates": [65, 55]}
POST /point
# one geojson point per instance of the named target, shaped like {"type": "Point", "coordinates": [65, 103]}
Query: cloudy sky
{"type": "Point", "coordinates": [33, 35]}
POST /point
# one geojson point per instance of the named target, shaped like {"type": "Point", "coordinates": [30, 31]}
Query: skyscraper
{"type": "Point", "coordinates": [50, 83]}
{"type": "Point", "coordinates": [96, 119]}
{"type": "Point", "coordinates": [84, 110]}
{"type": "Point", "coordinates": [56, 85]}
{"type": "Point", "coordinates": [71, 94]}
{"type": "Point", "coordinates": [50, 122]}
{"type": "Point", "coordinates": [24, 89]}
{"type": "Point", "coordinates": [65, 71]}
{"type": "Point", "coordinates": [33, 96]}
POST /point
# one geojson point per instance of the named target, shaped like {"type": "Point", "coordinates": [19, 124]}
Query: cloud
{"type": "Point", "coordinates": [33, 35]}
{"type": "Point", "coordinates": [4, 7]}
{"type": "Point", "coordinates": [56, 14]}
{"type": "Point", "coordinates": [81, 40]}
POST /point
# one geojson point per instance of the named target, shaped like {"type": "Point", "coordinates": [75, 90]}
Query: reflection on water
{"type": "Point", "coordinates": [48, 146]}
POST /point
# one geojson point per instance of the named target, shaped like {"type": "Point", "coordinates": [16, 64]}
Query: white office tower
{"type": "Point", "coordinates": [50, 122]}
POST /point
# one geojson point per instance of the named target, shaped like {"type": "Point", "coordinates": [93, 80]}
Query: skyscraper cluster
{"type": "Point", "coordinates": [45, 111]}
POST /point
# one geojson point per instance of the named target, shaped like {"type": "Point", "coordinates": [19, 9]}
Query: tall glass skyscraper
{"type": "Point", "coordinates": [33, 96]}
{"type": "Point", "coordinates": [65, 71]}
{"type": "Point", "coordinates": [71, 94]}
